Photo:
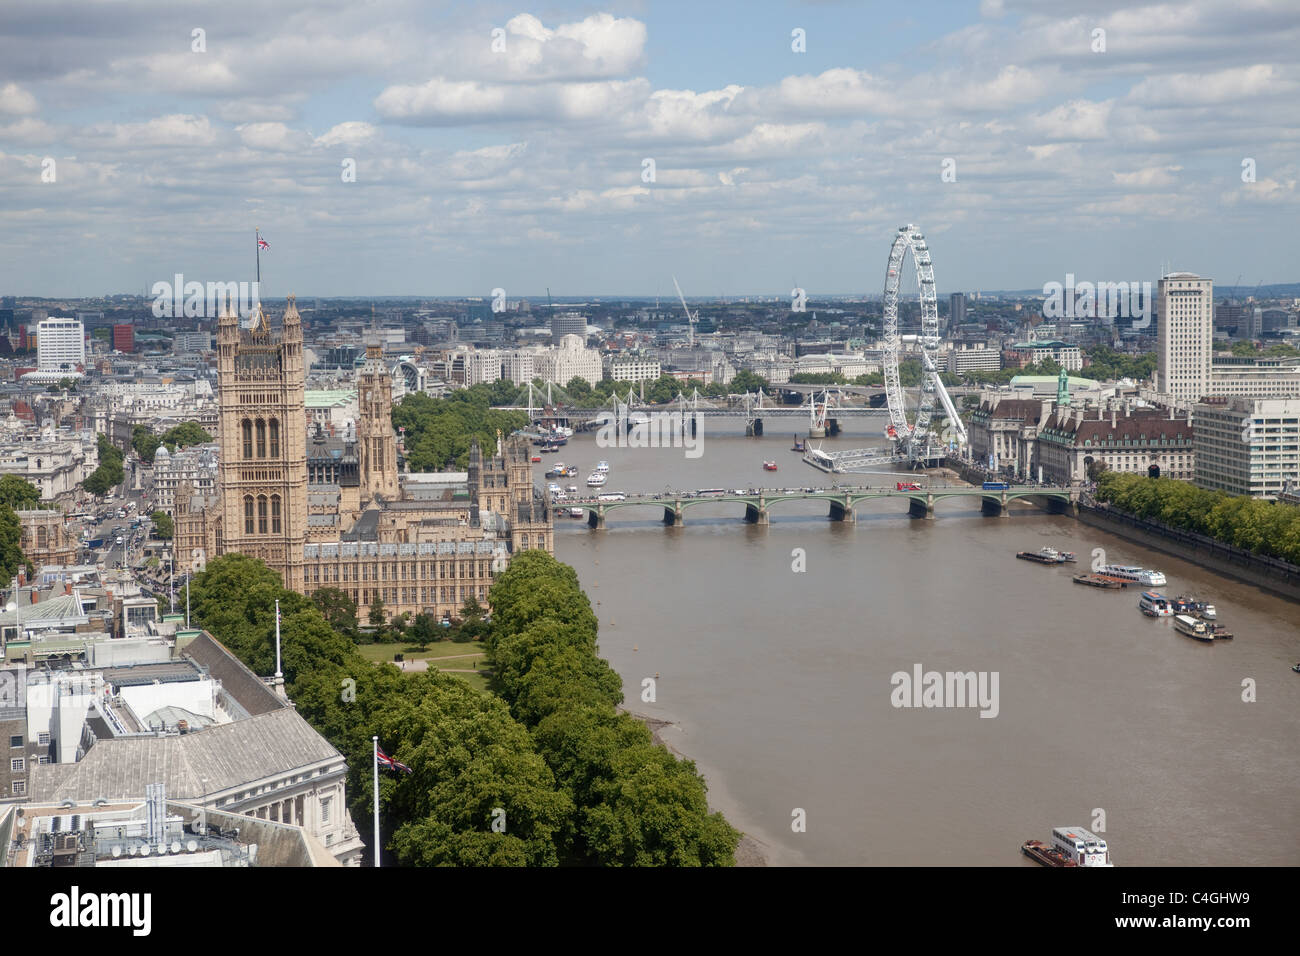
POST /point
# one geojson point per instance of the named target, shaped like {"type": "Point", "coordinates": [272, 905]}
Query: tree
{"type": "Point", "coordinates": [109, 474]}
{"type": "Point", "coordinates": [423, 631]}
{"type": "Point", "coordinates": [339, 610]}
{"type": "Point", "coordinates": [378, 616]}
{"type": "Point", "coordinates": [11, 553]}
{"type": "Point", "coordinates": [747, 381]}
{"type": "Point", "coordinates": [19, 493]}
{"type": "Point", "coordinates": [184, 434]}
{"type": "Point", "coordinates": [145, 442]}
{"type": "Point", "coordinates": [162, 525]}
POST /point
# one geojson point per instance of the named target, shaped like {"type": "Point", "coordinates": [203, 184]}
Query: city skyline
{"type": "Point", "coordinates": [1111, 156]}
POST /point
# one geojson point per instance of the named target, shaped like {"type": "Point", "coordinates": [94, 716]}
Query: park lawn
{"type": "Point", "coordinates": [385, 652]}
{"type": "Point", "coordinates": [478, 681]}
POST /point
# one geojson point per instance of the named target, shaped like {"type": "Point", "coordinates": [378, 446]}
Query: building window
{"type": "Point", "coordinates": [20, 788]}
{"type": "Point", "coordinates": [325, 810]}
{"type": "Point", "coordinates": [43, 739]}
{"type": "Point", "coordinates": [261, 438]}
{"type": "Point", "coordinates": [248, 514]}
{"type": "Point", "coordinates": [16, 740]}
{"type": "Point", "coordinates": [247, 427]}
{"type": "Point", "coordinates": [275, 517]}
{"type": "Point", "coordinates": [17, 765]}
{"type": "Point", "coordinates": [261, 514]}
{"type": "Point", "coordinates": [275, 438]}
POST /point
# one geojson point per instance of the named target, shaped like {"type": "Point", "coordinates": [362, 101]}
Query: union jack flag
{"type": "Point", "coordinates": [388, 763]}
{"type": "Point", "coordinates": [262, 243]}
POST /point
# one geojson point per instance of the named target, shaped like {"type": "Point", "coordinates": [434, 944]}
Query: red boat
{"type": "Point", "coordinates": [769, 466]}
{"type": "Point", "coordinates": [535, 459]}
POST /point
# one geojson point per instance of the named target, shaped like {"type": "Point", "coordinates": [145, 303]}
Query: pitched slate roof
{"type": "Point", "coordinates": [190, 766]}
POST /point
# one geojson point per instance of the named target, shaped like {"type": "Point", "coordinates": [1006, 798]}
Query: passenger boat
{"type": "Point", "coordinates": [595, 480]}
{"type": "Point", "coordinates": [769, 466]}
{"type": "Point", "coordinates": [602, 467]}
{"type": "Point", "coordinates": [1070, 846]}
{"type": "Point", "coordinates": [1041, 556]}
{"type": "Point", "coordinates": [1206, 612]}
{"type": "Point", "coordinates": [1133, 575]}
{"type": "Point", "coordinates": [1154, 604]}
{"type": "Point", "coordinates": [1096, 581]}
{"type": "Point", "coordinates": [1185, 624]}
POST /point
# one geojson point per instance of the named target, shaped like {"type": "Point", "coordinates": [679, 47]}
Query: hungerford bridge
{"type": "Point", "coordinates": [842, 501]}
{"type": "Point", "coordinates": [823, 411]}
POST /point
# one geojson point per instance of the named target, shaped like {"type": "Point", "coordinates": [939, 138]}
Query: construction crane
{"type": "Point", "coordinates": [690, 319]}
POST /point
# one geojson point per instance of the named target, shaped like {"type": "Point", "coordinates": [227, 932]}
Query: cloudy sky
{"type": "Point", "coordinates": [501, 145]}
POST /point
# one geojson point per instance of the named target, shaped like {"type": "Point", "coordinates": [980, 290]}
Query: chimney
{"type": "Point", "coordinates": [22, 578]}
{"type": "Point", "coordinates": [67, 587]}
{"type": "Point", "coordinates": [35, 595]}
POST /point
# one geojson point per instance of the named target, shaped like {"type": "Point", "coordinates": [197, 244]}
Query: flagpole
{"type": "Point", "coordinates": [257, 244]}
{"type": "Point", "coordinates": [187, 603]}
{"type": "Point", "coordinates": [375, 740]}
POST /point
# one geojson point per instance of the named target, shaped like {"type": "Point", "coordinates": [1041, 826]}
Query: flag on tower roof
{"type": "Point", "coordinates": [262, 243]}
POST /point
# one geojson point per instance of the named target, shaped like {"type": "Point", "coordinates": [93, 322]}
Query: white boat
{"type": "Point", "coordinates": [595, 480]}
{"type": "Point", "coordinates": [1081, 847]}
{"type": "Point", "coordinates": [1154, 604]}
{"type": "Point", "coordinates": [572, 489]}
{"type": "Point", "coordinates": [602, 467]}
{"type": "Point", "coordinates": [1125, 572]}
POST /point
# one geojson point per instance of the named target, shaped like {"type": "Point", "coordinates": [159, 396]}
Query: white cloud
{"type": "Point", "coordinates": [15, 101]}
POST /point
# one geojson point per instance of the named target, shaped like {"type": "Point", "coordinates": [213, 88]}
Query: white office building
{"type": "Point", "coordinates": [1247, 446]}
{"type": "Point", "coordinates": [60, 345]}
{"type": "Point", "coordinates": [1185, 303]}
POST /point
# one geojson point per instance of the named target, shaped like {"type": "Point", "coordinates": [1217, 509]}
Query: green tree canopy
{"type": "Point", "coordinates": [19, 493]}
{"type": "Point", "coordinates": [162, 525]}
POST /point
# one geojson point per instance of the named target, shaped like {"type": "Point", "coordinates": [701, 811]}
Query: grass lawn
{"type": "Point", "coordinates": [478, 681]}
{"type": "Point", "coordinates": [384, 652]}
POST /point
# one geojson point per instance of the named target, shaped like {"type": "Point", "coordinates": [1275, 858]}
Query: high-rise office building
{"type": "Point", "coordinates": [1185, 302]}
{"type": "Point", "coordinates": [60, 344]}
{"type": "Point", "coordinates": [567, 323]}
{"type": "Point", "coordinates": [956, 309]}
{"type": "Point", "coordinates": [124, 338]}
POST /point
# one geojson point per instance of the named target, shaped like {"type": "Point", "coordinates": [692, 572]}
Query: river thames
{"type": "Point", "coordinates": [778, 682]}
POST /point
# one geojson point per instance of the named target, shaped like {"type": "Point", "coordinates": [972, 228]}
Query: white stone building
{"type": "Point", "coordinates": [1247, 446]}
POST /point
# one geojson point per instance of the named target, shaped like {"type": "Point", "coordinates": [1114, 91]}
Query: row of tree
{"type": "Point", "coordinates": [634, 803]}
{"type": "Point", "coordinates": [109, 474]}
{"type": "Point", "coordinates": [1264, 527]}
{"type": "Point", "coordinates": [487, 787]}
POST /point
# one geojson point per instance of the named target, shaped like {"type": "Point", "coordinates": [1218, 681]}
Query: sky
{"type": "Point", "coordinates": [411, 147]}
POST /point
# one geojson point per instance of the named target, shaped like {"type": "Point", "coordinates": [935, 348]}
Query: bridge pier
{"type": "Point", "coordinates": [816, 432]}
{"type": "Point", "coordinates": [755, 514]}
{"type": "Point", "coordinates": [673, 516]}
{"type": "Point", "coordinates": [832, 426]}
{"type": "Point", "coordinates": [596, 519]}
{"type": "Point", "coordinates": [994, 507]}
{"type": "Point", "coordinates": [841, 512]}
{"type": "Point", "coordinates": [921, 509]}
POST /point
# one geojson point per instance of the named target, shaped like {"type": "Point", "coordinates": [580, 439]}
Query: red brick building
{"type": "Point", "coordinates": [123, 338]}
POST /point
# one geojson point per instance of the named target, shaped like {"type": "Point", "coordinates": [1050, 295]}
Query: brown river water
{"type": "Point", "coordinates": [779, 683]}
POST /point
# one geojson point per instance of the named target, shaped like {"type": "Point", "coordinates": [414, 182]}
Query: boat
{"type": "Point", "coordinates": [1219, 632]}
{"type": "Point", "coordinates": [1069, 557]}
{"type": "Point", "coordinates": [535, 459]}
{"type": "Point", "coordinates": [1186, 624]}
{"type": "Point", "coordinates": [1133, 575]}
{"type": "Point", "coordinates": [577, 512]}
{"type": "Point", "coordinates": [1154, 604]}
{"type": "Point", "coordinates": [553, 474]}
{"type": "Point", "coordinates": [1040, 852]}
{"type": "Point", "coordinates": [602, 467]}
{"type": "Point", "coordinates": [1206, 612]}
{"type": "Point", "coordinates": [769, 466]}
{"type": "Point", "coordinates": [1096, 581]}
{"type": "Point", "coordinates": [1296, 668]}
{"type": "Point", "coordinates": [572, 489]}
{"type": "Point", "coordinates": [1070, 846]}
{"type": "Point", "coordinates": [595, 480]}
{"type": "Point", "coordinates": [798, 445]}
{"type": "Point", "coordinates": [1041, 556]}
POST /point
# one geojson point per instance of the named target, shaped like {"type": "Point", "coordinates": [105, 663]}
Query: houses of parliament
{"type": "Point", "coordinates": [337, 513]}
